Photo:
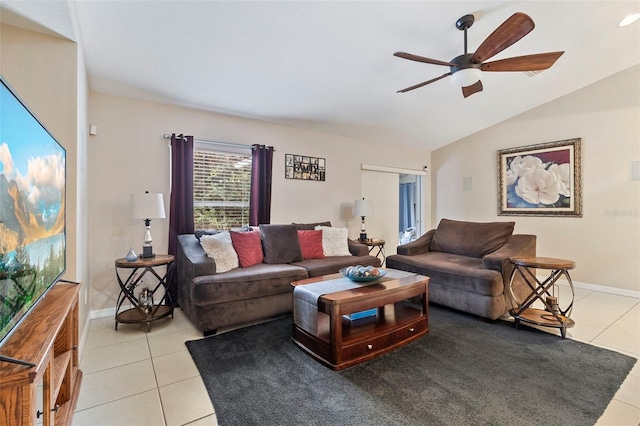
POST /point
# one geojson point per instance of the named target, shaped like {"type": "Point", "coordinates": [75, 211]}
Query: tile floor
{"type": "Point", "coordinates": [137, 378]}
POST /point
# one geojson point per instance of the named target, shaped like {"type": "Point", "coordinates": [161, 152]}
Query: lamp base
{"type": "Point", "coordinates": [147, 251]}
{"type": "Point", "coordinates": [363, 237]}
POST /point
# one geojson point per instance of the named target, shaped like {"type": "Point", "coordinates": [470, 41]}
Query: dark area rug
{"type": "Point", "coordinates": [464, 371]}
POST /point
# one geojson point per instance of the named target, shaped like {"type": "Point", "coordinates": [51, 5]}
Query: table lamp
{"type": "Point", "coordinates": [362, 208]}
{"type": "Point", "coordinates": [147, 206]}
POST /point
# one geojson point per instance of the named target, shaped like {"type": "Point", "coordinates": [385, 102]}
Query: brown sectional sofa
{"type": "Point", "coordinates": [214, 300]}
{"type": "Point", "coordinates": [468, 263]}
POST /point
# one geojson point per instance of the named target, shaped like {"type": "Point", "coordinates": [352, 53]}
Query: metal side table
{"type": "Point", "coordinates": [144, 310]}
{"type": "Point", "coordinates": [553, 315]}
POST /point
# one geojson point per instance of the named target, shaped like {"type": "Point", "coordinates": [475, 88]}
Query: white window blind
{"type": "Point", "coordinates": [221, 185]}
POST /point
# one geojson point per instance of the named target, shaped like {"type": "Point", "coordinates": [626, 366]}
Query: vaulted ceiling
{"type": "Point", "coordinates": [329, 65]}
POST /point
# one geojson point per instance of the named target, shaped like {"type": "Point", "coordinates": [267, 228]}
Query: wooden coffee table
{"type": "Point", "coordinates": [340, 343]}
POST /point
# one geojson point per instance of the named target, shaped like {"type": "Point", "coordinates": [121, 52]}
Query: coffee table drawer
{"type": "Point", "coordinates": [366, 348]}
{"type": "Point", "coordinates": [409, 331]}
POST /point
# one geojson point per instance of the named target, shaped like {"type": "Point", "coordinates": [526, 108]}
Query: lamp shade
{"type": "Point", "coordinates": [147, 206]}
{"type": "Point", "coordinates": [362, 208]}
{"type": "Point", "coordinates": [466, 77]}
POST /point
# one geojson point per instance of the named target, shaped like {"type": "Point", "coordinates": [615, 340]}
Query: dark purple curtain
{"type": "Point", "coordinates": [260, 197]}
{"type": "Point", "coordinates": [181, 206]}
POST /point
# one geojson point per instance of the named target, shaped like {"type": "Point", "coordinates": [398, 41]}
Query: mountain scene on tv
{"type": "Point", "coordinates": [32, 211]}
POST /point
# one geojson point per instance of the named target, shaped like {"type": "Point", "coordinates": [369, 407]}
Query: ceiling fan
{"type": "Point", "coordinates": [465, 70]}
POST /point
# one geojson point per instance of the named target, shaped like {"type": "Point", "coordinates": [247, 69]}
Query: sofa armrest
{"type": "Point", "coordinates": [419, 246]}
{"type": "Point", "coordinates": [357, 249]}
{"type": "Point", "coordinates": [192, 258]}
{"type": "Point", "coordinates": [517, 245]}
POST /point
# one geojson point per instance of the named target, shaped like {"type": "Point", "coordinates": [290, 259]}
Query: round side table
{"type": "Point", "coordinates": [144, 310]}
{"type": "Point", "coordinates": [372, 244]}
{"type": "Point", "coordinates": [553, 315]}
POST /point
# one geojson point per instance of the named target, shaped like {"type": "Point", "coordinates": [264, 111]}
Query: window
{"type": "Point", "coordinates": [221, 185]}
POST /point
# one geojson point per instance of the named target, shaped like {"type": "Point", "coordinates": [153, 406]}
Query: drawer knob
{"type": "Point", "coordinates": [369, 347]}
{"type": "Point", "coordinates": [412, 329]}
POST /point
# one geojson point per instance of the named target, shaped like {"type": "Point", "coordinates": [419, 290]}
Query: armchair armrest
{"type": "Point", "coordinates": [357, 249]}
{"type": "Point", "coordinates": [517, 245]}
{"type": "Point", "coordinates": [419, 246]}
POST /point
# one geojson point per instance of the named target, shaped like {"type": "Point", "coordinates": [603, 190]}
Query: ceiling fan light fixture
{"type": "Point", "coordinates": [629, 19]}
{"type": "Point", "coordinates": [466, 77]}
{"type": "Point", "coordinates": [466, 69]}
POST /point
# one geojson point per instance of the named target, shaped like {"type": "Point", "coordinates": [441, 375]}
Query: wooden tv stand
{"type": "Point", "coordinates": [48, 338]}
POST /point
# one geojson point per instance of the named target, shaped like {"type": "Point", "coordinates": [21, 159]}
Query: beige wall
{"type": "Point", "coordinates": [82, 199]}
{"type": "Point", "coordinates": [129, 155]}
{"type": "Point", "coordinates": [605, 242]}
{"type": "Point", "coordinates": [43, 70]}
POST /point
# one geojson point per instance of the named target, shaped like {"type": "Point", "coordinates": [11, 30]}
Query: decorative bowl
{"type": "Point", "coordinates": [362, 278]}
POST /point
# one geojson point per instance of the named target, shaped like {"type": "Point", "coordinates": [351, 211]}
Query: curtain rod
{"type": "Point", "coordinates": [236, 145]}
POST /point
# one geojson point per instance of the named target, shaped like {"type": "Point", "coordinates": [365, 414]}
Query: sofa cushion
{"type": "Point", "coordinates": [280, 244]}
{"type": "Point", "coordinates": [245, 283]}
{"type": "Point", "coordinates": [220, 248]}
{"type": "Point", "coordinates": [248, 246]}
{"type": "Point", "coordinates": [331, 265]}
{"type": "Point", "coordinates": [310, 226]}
{"type": "Point", "coordinates": [311, 244]}
{"type": "Point", "coordinates": [334, 241]}
{"type": "Point", "coordinates": [472, 239]}
{"type": "Point", "coordinates": [200, 232]}
{"type": "Point", "coordinates": [462, 273]}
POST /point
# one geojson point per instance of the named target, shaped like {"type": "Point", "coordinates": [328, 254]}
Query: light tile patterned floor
{"type": "Point", "coordinates": [137, 378]}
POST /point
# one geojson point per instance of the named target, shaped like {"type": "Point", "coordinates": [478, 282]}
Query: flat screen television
{"type": "Point", "coordinates": [32, 210]}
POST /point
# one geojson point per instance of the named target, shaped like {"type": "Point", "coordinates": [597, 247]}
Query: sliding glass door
{"type": "Point", "coordinates": [397, 206]}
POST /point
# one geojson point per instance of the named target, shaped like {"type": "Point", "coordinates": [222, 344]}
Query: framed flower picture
{"type": "Point", "coordinates": [541, 180]}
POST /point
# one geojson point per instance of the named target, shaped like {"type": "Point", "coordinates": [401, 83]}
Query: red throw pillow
{"type": "Point", "coordinates": [248, 246]}
{"type": "Point", "coordinates": [311, 244]}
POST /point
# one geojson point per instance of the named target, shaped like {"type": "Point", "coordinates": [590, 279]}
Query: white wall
{"type": "Point", "coordinates": [605, 242]}
{"type": "Point", "coordinates": [129, 155]}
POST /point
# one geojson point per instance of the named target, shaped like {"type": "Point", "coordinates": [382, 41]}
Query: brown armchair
{"type": "Point", "coordinates": [468, 263]}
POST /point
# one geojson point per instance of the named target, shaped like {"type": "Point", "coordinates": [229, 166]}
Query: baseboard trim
{"type": "Point", "coordinates": [599, 288]}
{"type": "Point", "coordinates": [103, 313]}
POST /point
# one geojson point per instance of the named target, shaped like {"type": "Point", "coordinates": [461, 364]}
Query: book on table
{"type": "Point", "coordinates": [362, 314]}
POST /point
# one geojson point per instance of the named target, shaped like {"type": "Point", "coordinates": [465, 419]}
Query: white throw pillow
{"type": "Point", "coordinates": [334, 241]}
{"type": "Point", "coordinates": [220, 248]}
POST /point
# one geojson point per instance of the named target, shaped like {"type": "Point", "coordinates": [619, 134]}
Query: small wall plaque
{"type": "Point", "coordinates": [304, 167]}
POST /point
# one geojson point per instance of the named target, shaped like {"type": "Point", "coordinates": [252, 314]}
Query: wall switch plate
{"type": "Point", "coordinates": [467, 184]}
{"type": "Point", "coordinates": [634, 170]}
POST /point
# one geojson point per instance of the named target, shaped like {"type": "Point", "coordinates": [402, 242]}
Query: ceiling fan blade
{"type": "Point", "coordinates": [417, 58]}
{"type": "Point", "coordinates": [470, 90]}
{"type": "Point", "coordinates": [511, 30]}
{"type": "Point", "coordinates": [537, 62]}
{"type": "Point", "coordinates": [424, 83]}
